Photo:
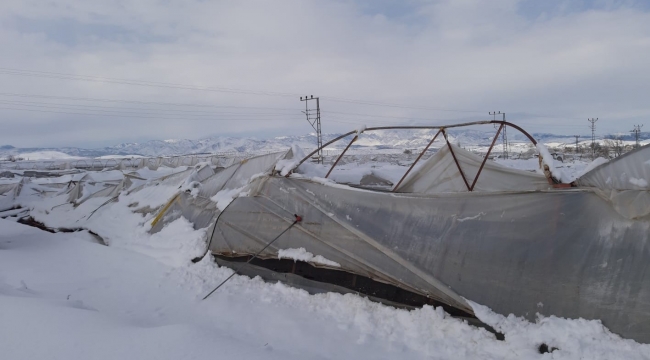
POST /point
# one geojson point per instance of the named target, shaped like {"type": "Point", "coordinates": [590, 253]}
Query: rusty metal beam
{"type": "Point", "coordinates": [416, 160]}
{"type": "Point", "coordinates": [324, 145]}
{"type": "Point", "coordinates": [505, 123]}
{"type": "Point", "coordinates": [439, 127]}
{"type": "Point", "coordinates": [340, 156]}
{"type": "Point", "coordinates": [486, 157]}
{"type": "Point", "coordinates": [455, 160]}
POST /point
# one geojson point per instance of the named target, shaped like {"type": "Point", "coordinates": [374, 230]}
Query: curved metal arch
{"type": "Point", "coordinates": [77, 164]}
{"type": "Point", "coordinates": [96, 161]}
{"type": "Point", "coordinates": [114, 162]}
{"type": "Point", "coordinates": [438, 127]}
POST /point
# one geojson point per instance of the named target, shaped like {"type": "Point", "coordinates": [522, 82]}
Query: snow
{"type": "Point", "coordinates": [66, 296]}
{"type": "Point", "coordinates": [360, 130]}
{"type": "Point", "coordinates": [301, 254]}
{"type": "Point", "coordinates": [589, 339]}
{"type": "Point", "coordinates": [548, 160]}
{"type": "Point", "coordinates": [285, 166]}
{"type": "Point", "coordinates": [642, 183]}
{"type": "Point", "coordinates": [224, 197]}
{"type": "Point", "coordinates": [108, 157]}
{"type": "Point", "coordinates": [47, 155]}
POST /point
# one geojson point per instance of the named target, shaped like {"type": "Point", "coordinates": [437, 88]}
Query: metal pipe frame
{"type": "Point", "coordinates": [494, 141]}
{"type": "Point", "coordinates": [441, 128]}
{"type": "Point", "coordinates": [416, 160]}
{"type": "Point", "coordinates": [340, 156]}
{"type": "Point", "coordinates": [451, 150]}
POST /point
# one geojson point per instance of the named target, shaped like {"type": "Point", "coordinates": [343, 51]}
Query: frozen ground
{"type": "Point", "coordinates": [66, 296]}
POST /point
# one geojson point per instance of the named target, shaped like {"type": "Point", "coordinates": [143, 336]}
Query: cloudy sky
{"type": "Point", "coordinates": [93, 73]}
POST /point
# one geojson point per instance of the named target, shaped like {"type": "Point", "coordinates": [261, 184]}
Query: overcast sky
{"type": "Point", "coordinates": [95, 73]}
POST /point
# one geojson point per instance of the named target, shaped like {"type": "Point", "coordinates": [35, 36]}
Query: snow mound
{"type": "Point", "coordinates": [301, 254]}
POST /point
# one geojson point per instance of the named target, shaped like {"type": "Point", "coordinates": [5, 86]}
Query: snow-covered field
{"type": "Point", "coordinates": [138, 296]}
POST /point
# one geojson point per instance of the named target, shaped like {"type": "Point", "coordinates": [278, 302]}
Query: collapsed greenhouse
{"type": "Point", "coordinates": [456, 226]}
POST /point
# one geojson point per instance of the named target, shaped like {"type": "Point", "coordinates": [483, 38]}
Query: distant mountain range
{"type": "Point", "coordinates": [378, 139]}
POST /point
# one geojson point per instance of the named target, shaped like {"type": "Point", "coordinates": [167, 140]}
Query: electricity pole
{"type": "Point", "coordinates": [636, 131]}
{"type": "Point", "coordinates": [504, 135]}
{"type": "Point", "coordinates": [577, 137]}
{"type": "Point", "coordinates": [593, 137]}
{"type": "Point", "coordinates": [313, 118]}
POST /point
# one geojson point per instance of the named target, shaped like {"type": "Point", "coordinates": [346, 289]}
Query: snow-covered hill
{"type": "Point", "coordinates": [392, 139]}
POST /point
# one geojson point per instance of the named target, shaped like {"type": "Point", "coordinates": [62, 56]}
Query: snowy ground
{"type": "Point", "coordinates": [66, 296]}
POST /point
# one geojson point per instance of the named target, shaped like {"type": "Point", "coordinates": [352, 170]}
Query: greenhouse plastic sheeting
{"type": "Point", "coordinates": [239, 174]}
{"type": "Point", "coordinates": [628, 172]}
{"type": "Point", "coordinates": [625, 182]}
{"type": "Point", "coordinates": [440, 174]}
{"type": "Point", "coordinates": [565, 253]}
{"type": "Point", "coordinates": [199, 209]}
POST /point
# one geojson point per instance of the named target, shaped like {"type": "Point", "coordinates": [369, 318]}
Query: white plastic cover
{"type": "Point", "coordinates": [439, 174]}
{"type": "Point", "coordinates": [624, 181]}
{"type": "Point", "coordinates": [628, 172]}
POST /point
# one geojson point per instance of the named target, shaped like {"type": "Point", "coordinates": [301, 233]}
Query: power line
{"type": "Point", "coordinates": [374, 103]}
{"type": "Point", "coordinates": [139, 116]}
{"type": "Point", "coordinates": [375, 116]}
{"type": "Point", "coordinates": [100, 108]}
{"type": "Point", "coordinates": [66, 76]}
{"type": "Point", "coordinates": [63, 76]}
{"type": "Point", "coordinates": [139, 102]}
{"type": "Point", "coordinates": [87, 108]}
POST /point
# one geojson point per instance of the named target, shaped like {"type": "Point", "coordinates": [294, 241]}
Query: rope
{"type": "Point", "coordinates": [298, 219]}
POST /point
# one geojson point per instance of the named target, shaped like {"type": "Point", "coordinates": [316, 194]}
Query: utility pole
{"type": "Point", "coordinates": [313, 118]}
{"type": "Point", "coordinates": [577, 137]}
{"type": "Point", "coordinates": [504, 135]}
{"type": "Point", "coordinates": [637, 131]}
{"type": "Point", "coordinates": [593, 137]}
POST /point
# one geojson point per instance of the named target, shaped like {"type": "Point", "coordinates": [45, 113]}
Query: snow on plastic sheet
{"type": "Point", "coordinates": [224, 197]}
{"type": "Point", "coordinates": [301, 254]}
{"type": "Point", "coordinates": [284, 166]}
{"type": "Point", "coordinates": [548, 160]}
{"type": "Point", "coordinates": [641, 183]}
